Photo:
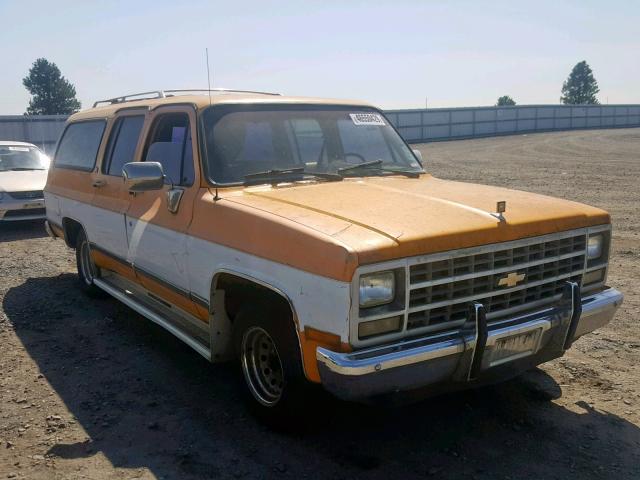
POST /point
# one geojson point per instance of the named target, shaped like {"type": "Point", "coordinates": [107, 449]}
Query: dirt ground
{"type": "Point", "coordinates": [88, 389]}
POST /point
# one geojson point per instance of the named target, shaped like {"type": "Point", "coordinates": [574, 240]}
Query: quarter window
{"type": "Point", "coordinates": [79, 145]}
{"type": "Point", "coordinates": [122, 144]}
{"type": "Point", "coordinates": [170, 145]}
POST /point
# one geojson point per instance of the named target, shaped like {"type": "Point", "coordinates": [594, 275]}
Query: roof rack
{"type": "Point", "coordinates": [170, 93]}
{"type": "Point", "coordinates": [130, 98]}
{"type": "Point", "coordinates": [218, 90]}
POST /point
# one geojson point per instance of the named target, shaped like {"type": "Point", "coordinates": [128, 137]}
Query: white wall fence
{"type": "Point", "coordinates": [426, 125]}
{"type": "Point", "coordinates": [41, 130]}
{"type": "Point", "coordinates": [420, 125]}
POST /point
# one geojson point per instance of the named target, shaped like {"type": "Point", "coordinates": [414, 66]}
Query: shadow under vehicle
{"type": "Point", "coordinates": [146, 400]}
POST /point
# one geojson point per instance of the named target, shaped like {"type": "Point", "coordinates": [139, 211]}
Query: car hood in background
{"type": "Point", "coordinates": [22, 180]}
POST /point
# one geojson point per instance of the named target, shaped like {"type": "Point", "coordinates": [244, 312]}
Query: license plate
{"type": "Point", "coordinates": [515, 346]}
{"type": "Point", "coordinates": [33, 205]}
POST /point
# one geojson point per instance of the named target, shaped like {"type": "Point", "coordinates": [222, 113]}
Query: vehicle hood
{"type": "Point", "coordinates": [23, 181]}
{"type": "Point", "coordinates": [384, 218]}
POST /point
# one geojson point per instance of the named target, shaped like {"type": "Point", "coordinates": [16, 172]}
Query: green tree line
{"type": "Point", "coordinates": [53, 94]}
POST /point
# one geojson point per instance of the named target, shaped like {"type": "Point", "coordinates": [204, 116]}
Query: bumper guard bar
{"type": "Point", "coordinates": [467, 354]}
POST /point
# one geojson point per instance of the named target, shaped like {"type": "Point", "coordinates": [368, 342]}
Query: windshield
{"type": "Point", "coordinates": [18, 157]}
{"type": "Point", "coordinates": [242, 141]}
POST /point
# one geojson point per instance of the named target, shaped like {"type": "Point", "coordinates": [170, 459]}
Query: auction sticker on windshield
{"type": "Point", "coordinates": [367, 119]}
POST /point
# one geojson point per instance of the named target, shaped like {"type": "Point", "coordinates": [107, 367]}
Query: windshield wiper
{"type": "Point", "coordinates": [285, 173]}
{"type": "Point", "coordinates": [408, 173]}
{"type": "Point", "coordinates": [377, 164]}
{"type": "Point", "coordinates": [372, 163]}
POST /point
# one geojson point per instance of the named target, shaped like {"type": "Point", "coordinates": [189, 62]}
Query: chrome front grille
{"type": "Point", "coordinates": [440, 290]}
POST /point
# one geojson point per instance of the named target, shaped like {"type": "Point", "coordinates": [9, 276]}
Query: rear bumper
{"type": "Point", "coordinates": [461, 359]}
{"type": "Point", "coordinates": [28, 209]}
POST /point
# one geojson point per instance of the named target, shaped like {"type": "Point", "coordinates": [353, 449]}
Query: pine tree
{"type": "Point", "coordinates": [505, 100]}
{"type": "Point", "coordinates": [581, 87]}
{"type": "Point", "coordinates": [51, 93]}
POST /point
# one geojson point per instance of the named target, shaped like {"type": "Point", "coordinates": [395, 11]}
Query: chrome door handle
{"type": "Point", "coordinates": [99, 183]}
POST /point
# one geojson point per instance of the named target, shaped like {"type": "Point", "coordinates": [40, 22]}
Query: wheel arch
{"type": "Point", "coordinates": [71, 228]}
{"type": "Point", "coordinates": [243, 285]}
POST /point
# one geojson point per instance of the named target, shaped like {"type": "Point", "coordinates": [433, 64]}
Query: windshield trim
{"type": "Point", "coordinates": [235, 107]}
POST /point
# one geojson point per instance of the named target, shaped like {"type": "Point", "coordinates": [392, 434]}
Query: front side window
{"type": "Point", "coordinates": [170, 145]}
{"type": "Point", "coordinates": [21, 157]}
{"type": "Point", "coordinates": [79, 145]}
{"type": "Point", "coordinates": [122, 144]}
{"type": "Point", "coordinates": [244, 140]}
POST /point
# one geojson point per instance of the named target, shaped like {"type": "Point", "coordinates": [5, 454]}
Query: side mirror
{"type": "Point", "coordinates": [418, 154]}
{"type": "Point", "coordinates": [143, 176]}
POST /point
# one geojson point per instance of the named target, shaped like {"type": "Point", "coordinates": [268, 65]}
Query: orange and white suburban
{"type": "Point", "coordinates": [303, 237]}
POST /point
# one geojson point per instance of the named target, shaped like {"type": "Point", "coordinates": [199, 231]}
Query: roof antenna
{"type": "Point", "coordinates": [206, 50]}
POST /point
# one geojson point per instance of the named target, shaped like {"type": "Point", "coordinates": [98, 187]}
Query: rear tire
{"type": "Point", "coordinates": [87, 270]}
{"type": "Point", "coordinates": [267, 346]}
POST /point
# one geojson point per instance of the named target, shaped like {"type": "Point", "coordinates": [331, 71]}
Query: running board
{"type": "Point", "coordinates": [154, 317]}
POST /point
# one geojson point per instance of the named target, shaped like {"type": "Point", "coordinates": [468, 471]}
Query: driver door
{"type": "Point", "coordinates": [157, 221]}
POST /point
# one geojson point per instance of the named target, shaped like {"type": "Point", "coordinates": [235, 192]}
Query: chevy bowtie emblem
{"type": "Point", "coordinates": [511, 280]}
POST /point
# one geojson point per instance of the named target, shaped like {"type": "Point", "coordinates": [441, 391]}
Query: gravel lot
{"type": "Point", "coordinates": [90, 390]}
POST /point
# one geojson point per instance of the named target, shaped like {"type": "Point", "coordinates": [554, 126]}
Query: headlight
{"type": "Point", "coordinates": [377, 289]}
{"type": "Point", "coordinates": [594, 246]}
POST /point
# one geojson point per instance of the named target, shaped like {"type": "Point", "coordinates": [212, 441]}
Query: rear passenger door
{"type": "Point", "coordinates": [111, 197]}
{"type": "Point", "coordinates": [69, 190]}
{"type": "Point", "coordinates": [156, 234]}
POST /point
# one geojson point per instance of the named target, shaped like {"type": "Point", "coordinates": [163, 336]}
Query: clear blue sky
{"type": "Point", "coordinates": [392, 53]}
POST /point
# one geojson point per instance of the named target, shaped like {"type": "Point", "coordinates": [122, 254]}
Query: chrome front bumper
{"type": "Point", "coordinates": [453, 360]}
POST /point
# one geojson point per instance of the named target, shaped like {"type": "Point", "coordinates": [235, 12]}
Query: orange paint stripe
{"type": "Point", "coordinates": [174, 298]}
{"type": "Point", "coordinates": [310, 340]}
{"type": "Point", "coordinates": [57, 231]}
{"type": "Point", "coordinates": [168, 295]}
{"type": "Point", "coordinates": [109, 263]}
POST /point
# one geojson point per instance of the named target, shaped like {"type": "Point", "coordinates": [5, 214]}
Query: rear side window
{"type": "Point", "coordinates": [122, 144]}
{"type": "Point", "coordinates": [170, 144]}
{"type": "Point", "coordinates": [79, 145]}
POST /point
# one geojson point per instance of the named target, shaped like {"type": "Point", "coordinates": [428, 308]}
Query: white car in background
{"type": "Point", "coordinates": [23, 175]}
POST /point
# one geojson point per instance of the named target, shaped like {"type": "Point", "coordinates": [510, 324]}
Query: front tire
{"type": "Point", "coordinates": [262, 366]}
{"type": "Point", "coordinates": [267, 347]}
{"type": "Point", "coordinates": [87, 270]}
